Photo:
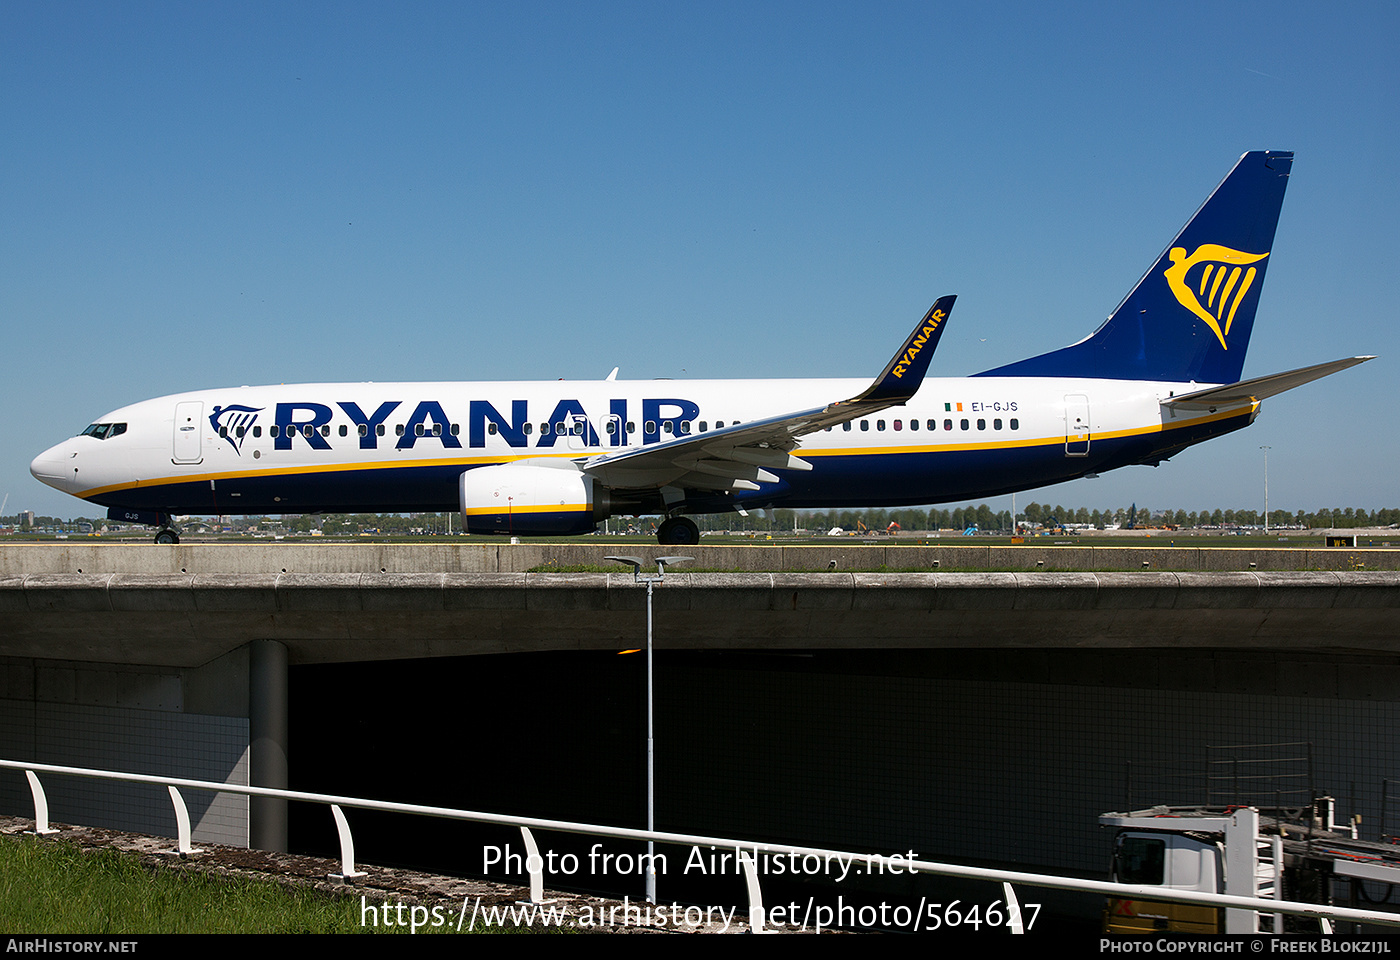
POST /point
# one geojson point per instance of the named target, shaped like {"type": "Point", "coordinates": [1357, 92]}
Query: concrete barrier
{"type": "Point", "coordinates": [483, 555]}
{"type": "Point", "coordinates": [188, 620]}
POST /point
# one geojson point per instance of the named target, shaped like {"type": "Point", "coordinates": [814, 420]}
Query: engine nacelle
{"type": "Point", "coordinates": [539, 498]}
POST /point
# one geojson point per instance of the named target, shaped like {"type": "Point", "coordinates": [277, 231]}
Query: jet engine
{"type": "Point", "coordinates": [532, 498]}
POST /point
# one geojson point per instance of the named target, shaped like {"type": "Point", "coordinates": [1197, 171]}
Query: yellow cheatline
{"type": "Point", "coordinates": [548, 508]}
{"type": "Point", "coordinates": [321, 468]}
{"type": "Point", "coordinates": [1029, 442]}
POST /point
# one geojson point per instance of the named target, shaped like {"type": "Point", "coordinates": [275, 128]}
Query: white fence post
{"type": "Point", "coordinates": [534, 863]}
{"type": "Point", "coordinates": [347, 848]}
{"type": "Point", "coordinates": [1013, 909]}
{"type": "Point", "coordinates": [757, 919]}
{"type": "Point", "coordinates": [41, 806]}
{"type": "Point", "coordinates": [182, 824]}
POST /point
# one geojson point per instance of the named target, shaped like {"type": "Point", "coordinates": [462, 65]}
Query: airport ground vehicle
{"type": "Point", "coordinates": [1298, 854]}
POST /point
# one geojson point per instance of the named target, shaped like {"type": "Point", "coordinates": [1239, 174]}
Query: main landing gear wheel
{"type": "Point", "coordinates": [680, 531]}
{"type": "Point", "coordinates": [167, 536]}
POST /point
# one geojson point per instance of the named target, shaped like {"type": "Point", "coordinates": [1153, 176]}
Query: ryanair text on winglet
{"type": "Point", "coordinates": [916, 343]}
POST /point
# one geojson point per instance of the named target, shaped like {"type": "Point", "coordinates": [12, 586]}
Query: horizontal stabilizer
{"type": "Point", "coordinates": [1248, 391]}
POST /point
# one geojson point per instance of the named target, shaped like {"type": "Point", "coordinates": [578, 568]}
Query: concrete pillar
{"type": "Point", "coordinates": [267, 733]}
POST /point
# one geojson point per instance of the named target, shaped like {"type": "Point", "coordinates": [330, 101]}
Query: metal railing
{"type": "Point", "coordinates": [747, 850]}
{"type": "Point", "coordinates": [1261, 773]}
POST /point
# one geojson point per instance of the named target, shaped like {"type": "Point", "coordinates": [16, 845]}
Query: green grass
{"type": "Point", "coordinates": [49, 886]}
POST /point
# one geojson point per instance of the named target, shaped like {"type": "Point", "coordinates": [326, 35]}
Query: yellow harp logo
{"type": "Point", "coordinates": [1225, 276]}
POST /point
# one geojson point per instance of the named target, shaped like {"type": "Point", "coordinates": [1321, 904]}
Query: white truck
{"type": "Point", "coordinates": [1242, 851]}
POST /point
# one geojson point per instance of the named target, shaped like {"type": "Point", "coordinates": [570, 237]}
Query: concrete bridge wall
{"type": "Point", "coordinates": [489, 555]}
{"type": "Point", "coordinates": [188, 620]}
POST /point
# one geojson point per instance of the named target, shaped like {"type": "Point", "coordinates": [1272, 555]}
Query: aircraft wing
{"type": "Point", "coordinates": [735, 457]}
{"type": "Point", "coordinates": [1260, 388]}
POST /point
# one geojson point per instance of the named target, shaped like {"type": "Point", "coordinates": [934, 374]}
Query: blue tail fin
{"type": "Point", "coordinates": [1190, 316]}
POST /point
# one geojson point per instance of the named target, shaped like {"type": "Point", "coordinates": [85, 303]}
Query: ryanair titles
{"type": "Point", "coordinates": [405, 424]}
{"type": "Point", "coordinates": [917, 342]}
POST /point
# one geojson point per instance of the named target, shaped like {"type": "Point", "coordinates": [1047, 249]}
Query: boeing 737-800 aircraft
{"type": "Point", "coordinates": [557, 457]}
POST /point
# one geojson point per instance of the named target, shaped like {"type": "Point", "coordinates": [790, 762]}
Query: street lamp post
{"type": "Point", "coordinates": [636, 564]}
{"type": "Point", "coordinates": [1266, 489]}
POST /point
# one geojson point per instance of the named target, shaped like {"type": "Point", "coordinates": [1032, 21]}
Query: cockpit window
{"type": "Point", "coordinates": [104, 431]}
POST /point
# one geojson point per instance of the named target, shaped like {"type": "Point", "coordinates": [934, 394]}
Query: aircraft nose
{"type": "Point", "coordinates": [56, 467]}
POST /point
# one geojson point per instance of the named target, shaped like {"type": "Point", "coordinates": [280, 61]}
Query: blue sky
{"type": "Point", "coordinates": [196, 195]}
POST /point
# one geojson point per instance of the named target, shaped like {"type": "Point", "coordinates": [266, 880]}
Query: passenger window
{"type": "Point", "coordinates": [846, 426]}
{"type": "Point", "coordinates": [418, 430]}
{"type": "Point", "coordinates": [363, 431]}
{"type": "Point", "coordinates": [667, 426]}
{"type": "Point", "coordinates": [913, 424]}
{"type": "Point", "coordinates": [257, 431]}
{"type": "Point", "coordinates": [344, 430]}
{"type": "Point", "coordinates": [650, 426]}
{"type": "Point", "coordinates": [880, 425]}
{"type": "Point", "coordinates": [325, 430]}
{"type": "Point", "coordinates": [275, 431]}
{"type": "Point", "coordinates": [964, 424]}
{"type": "Point", "coordinates": [398, 430]}
{"type": "Point", "coordinates": [996, 424]}
{"type": "Point", "coordinates": [544, 429]}
{"type": "Point", "coordinates": [719, 424]}
{"type": "Point", "coordinates": [981, 424]}
{"type": "Point", "coordinates": [457, 428]}
{"type": "Point", "coordinates": [948, 424]}
{"type": "Point", "coordinates": [933, 424]}
{"type": "Point", "coordinates": [437, 429]}
{"type": "Point", "coordinates": [1015, 424]}
{"type": "Point", "coordinates": [242, 430]}
{"type": "Point", "coordinates": [307, 431]}
{"type": "Point", "coordinates": [528, 429]}
{"type": "Point", "coordinates": [561, 429]}
{"type": "Point", "coordinates": [491, 429]}
{"type": "Point", "coordinates": [379, 430]}
{"type": "Point", "coordinates": [631, 427]}
{"type": "Point", "coordinates": [704, 427]}
{"type": "Point", "coordinates": [865, 425]}
{"type": "Point", "coordinates": [223, 432]}
{"type": "Point", "coordinates": [685, 426]}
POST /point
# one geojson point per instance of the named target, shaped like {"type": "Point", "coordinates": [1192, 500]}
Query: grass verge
{"type": "Point", "coordinates": [49, 886]}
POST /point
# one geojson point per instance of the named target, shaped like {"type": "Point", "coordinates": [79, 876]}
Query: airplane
{"type": "Point", "coordinates": [558, 457]}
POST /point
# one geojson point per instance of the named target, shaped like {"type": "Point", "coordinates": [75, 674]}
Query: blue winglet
{"type": "Point", "coordinates": [902, 376]}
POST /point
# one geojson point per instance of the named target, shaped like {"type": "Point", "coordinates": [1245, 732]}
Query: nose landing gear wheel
{"type": "Point", "coordinates": [679, 531]}
{"type": "Point", "coordinates": [167, 536]}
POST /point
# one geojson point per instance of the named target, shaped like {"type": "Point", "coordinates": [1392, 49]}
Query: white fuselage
{"type": "Point", "coordinates": [401, 446]}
